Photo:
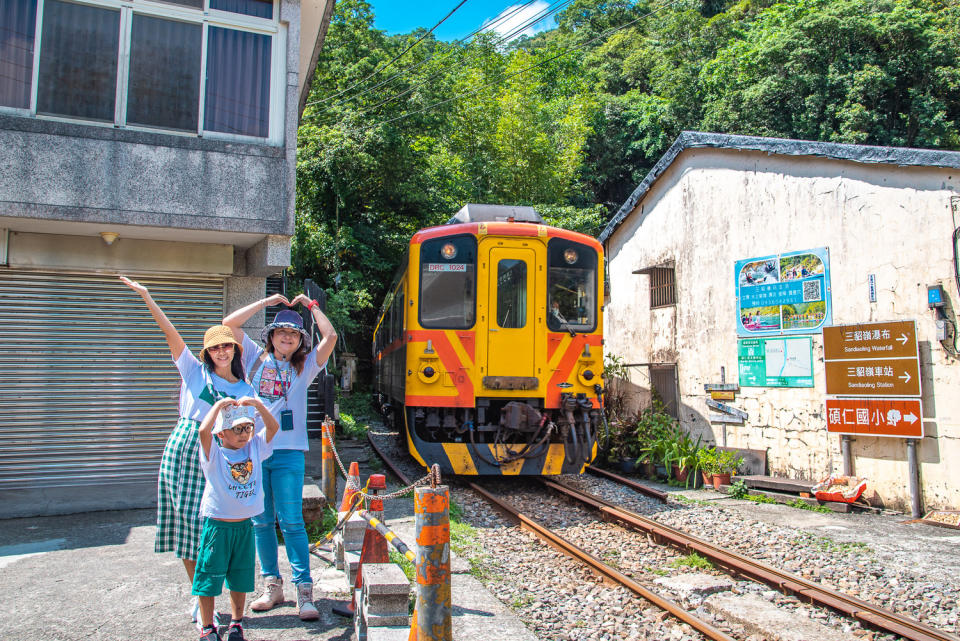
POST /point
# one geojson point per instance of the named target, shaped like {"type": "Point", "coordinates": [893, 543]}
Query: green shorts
{"type": "Point", "coordinates": [226, 552]}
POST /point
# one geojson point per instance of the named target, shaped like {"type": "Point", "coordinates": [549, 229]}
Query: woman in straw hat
{"type": "Point", "coordinates": [280, 372]}
{"type": "Point", "coordinates": [217, 374]}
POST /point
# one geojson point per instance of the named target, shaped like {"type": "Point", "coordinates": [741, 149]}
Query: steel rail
{"type": "Point", "coordinates": [600, 567]}
{"type": "Point", "coordinates": [568, 548]}
{"type": "Point", "coordinates": [739, 564]}
{"type": "Point", "coordinates": [388, 461]}
{"type": "Point", "coordinates": [633, 485]}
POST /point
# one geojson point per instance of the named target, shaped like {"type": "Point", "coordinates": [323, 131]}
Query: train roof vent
{"type": "Point", "coordinates": [473, 213]}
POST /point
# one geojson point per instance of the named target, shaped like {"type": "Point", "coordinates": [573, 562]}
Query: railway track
{"type": "Point", "coordinates": [734, 563]}
{"type": "Point", "coordinates": [575, 552]}
{"type": "Point", "coordinates": [740, 565]}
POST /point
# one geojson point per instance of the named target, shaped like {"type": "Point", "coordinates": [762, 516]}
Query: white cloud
{"type": "Point", "coordinates": [516, 17]}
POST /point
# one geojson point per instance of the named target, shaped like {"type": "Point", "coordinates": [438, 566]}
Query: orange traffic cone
{"type": "Point", "coordinates": [350, 491]}
{"type": "Point", "coordinates": [413, 627]}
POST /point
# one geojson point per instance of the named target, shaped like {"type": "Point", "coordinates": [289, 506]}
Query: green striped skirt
{"type": "Point", "coordinates": [179, 490]}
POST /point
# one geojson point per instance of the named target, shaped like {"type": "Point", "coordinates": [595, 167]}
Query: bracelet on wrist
{"type": "Point", "coordinates": [312, 304]}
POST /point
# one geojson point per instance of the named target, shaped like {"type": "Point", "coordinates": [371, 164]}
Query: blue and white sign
{"type": "Point", "coordinates": [784, 294]}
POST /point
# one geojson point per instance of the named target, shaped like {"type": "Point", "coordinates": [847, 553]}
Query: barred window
{"type": "Point", "coordinates": [662, 287]}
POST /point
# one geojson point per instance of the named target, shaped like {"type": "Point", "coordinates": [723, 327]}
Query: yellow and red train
{"type": "Point", "coordinates": [488, 349]}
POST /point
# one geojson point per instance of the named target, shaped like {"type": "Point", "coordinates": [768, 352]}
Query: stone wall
{"type": "Point", "coordinates": [712, 207]}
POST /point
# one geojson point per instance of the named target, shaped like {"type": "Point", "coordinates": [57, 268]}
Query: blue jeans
{"type": "Point", "coordinates": [283, 499]}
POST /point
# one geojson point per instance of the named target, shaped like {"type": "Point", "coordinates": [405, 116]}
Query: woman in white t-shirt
{"type": "Point", "coordinates": [281, 372]}
{"type": "Point", "coordinates": [217, 374]}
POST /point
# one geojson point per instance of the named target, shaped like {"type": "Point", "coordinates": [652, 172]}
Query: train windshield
{"type": "Point", "coordinates": [448, 275]}
{"type": "Point", "coordinates": [571, 286]}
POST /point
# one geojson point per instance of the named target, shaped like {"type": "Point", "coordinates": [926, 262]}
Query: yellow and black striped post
{"type": "Point", "coordinates": [389, 535]}
{"type": "Point", "coordinates": [432, 615]}
{"type": "Point", "coordinates": [328, 471]}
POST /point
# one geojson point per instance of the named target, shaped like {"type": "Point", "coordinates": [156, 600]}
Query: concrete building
{"type": "Point", "coordinates": [716, 207]}
{"type": "Point", "coordinates": [152, 139]}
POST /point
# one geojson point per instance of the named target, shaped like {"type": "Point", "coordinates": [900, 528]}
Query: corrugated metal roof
{"type": "Point", "coordinates": [899, 156]}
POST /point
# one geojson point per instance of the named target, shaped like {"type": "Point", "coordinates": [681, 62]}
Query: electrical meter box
{"type": "Point", "coordinates": [935, 296]}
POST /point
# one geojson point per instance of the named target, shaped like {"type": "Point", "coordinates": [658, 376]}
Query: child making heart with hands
{"type": "Point", "coordinates": [232, 467]}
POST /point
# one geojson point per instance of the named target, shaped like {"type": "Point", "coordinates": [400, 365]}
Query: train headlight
{"type": "Point", "coordinates": [449, 251]}
{"type": "Point", "coordinates": [428, 372]}
{"type": "Point", "coordinates": [586, 375]}
{"type": "Point", "coordinates": [570, 255]}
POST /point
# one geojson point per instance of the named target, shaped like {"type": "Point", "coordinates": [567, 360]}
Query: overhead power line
{"type": "Point", "coordinates": [507, 37]}
{"type": "Point", "coordinates": [398, 56]}
{"type": "Point", "coordinates": [569, 50]}
{"type": "Point", "coordinates": [417, 65]}
{"type": "Point", "coordinates": [543, 14]}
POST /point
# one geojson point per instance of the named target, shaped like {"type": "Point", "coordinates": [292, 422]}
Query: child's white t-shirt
{"type": "Point", "coordinates": [267, 381]}
{"type": "Point", "coordinates": [195, 399]}
{"type": "Point", "coordinates": [234, 487]}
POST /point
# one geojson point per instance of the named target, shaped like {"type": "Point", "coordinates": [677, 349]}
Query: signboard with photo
{"type": "Point", "coordinates": [783, 294]}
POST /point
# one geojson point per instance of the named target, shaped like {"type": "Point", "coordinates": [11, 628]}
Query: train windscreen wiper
{"type": "Point", "coordinates": [566, 326]}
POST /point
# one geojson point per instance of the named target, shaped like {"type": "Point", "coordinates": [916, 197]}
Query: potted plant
{"type": "Point", "coordinates": [622, 451]}
{"type": "Point", "coordinates": [681, 456]}
{"type": "Point", "coordinates": [706, 461]}
{"type": "Point", "coordinates": [725, 465]}
{"type": "Point", "coordinates": [655, 432]}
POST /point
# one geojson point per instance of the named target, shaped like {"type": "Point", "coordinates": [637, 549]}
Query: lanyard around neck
{"type": "Point", "coordinates": [284, 384]}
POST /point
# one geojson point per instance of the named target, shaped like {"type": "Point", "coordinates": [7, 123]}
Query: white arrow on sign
{"type": "Point", "coordinates": [910, 418]}
{"type": "Point", "coordinates": [905, 377]}
{"type": "Point", "coordinates": [903, 339]}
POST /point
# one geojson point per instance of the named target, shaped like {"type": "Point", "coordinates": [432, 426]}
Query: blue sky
{"type": "Point", "coordinates": [396, 16]}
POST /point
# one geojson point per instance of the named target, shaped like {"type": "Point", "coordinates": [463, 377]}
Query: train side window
{"type": "Point", "coordinates": [448, 290]}
{"type": "Point", "coordinates": [511, 293]}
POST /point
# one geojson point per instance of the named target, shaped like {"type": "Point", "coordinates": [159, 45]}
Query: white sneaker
{"type": "Point", "coordinates": [308, 611]}
{"type": "Point", "coordinates": [195, 607]}
{"type": "Point", "coordinates": [272, 594]}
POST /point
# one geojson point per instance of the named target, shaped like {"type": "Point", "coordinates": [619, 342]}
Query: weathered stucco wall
{"type": "Point", "coordinates": [713, 207]}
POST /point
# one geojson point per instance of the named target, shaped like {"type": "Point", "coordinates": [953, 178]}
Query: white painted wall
{"type": "Point", "coordinates": [713, 207]}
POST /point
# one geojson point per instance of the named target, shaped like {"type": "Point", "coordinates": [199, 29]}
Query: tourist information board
{"type": "Point", "coordinates": [775, 362]}
{"type": "Point", "coordinates": [900, 417]}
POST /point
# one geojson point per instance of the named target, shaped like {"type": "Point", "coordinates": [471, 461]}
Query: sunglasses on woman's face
{"type": "Point", "coordinates": [220, 347]}
{"type": "Point", "coordinates": [246, 428]}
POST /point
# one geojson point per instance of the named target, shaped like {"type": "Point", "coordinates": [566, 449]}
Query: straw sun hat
{"type": "Point", "coordinates": [218, 335]}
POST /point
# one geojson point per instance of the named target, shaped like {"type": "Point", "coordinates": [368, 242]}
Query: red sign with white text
{"type": "Point", "coordinates": [901, 417]}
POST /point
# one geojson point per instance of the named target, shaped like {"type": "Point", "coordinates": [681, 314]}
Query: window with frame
{"type": "Point", "coordinates": [662, 287]}
{"type": "Point", "coordinates": [571, 286]}
{"type": "Point", "coordinates": [511, 293]}
{"type": "Point", "coordinates": [193, 66]}
{"type": "Point", "coordinates": [448, 282]}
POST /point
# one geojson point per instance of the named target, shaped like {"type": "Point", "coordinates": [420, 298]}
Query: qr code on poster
{"type": "Point", "coordinates": [811, 291]}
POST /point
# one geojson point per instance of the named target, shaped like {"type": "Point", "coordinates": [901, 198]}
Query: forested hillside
{"type": "Point", "coordinates": [571, 119]}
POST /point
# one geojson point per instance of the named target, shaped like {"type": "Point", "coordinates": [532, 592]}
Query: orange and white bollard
{"type": "Point", "coordinates": [433, 611]}
{"type": "Point", "coordinates": [328, 469]}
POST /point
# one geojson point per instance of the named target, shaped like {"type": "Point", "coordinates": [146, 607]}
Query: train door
{"type": "Point", "coordinates": [510, 330]}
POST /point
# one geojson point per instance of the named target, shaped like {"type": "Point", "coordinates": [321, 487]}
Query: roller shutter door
{"type": "Point", "coordinates": [89, 388]}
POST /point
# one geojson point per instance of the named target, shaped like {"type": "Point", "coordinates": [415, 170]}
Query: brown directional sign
{"type": "Point", "coordinates": [872, 359]}
{"type": "Point", "coordinates": [896, 339]}
{"type": "Point", "coordinates": [873, 377]}
{"type": "Point", "coordinates": [900, 417]}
